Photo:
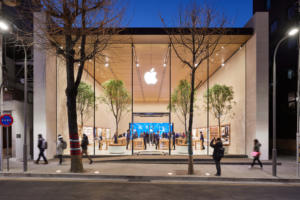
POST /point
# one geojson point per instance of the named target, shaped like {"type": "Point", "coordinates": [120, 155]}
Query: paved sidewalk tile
{"type": "Point", "coordinates": [286, 170]}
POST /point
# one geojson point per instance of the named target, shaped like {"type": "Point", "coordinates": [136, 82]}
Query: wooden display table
{"type": "Point", "coordinates": [180, 141]}
{"type": "Point", "coordinates": [138, 144]}
{"type": "Point", "coordinates": [116, 148]}
{"type": "Point", "coordinates": [164, 144]}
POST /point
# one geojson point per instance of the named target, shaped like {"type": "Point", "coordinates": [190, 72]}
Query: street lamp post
{"type": "Point", "coordinates": [292, 32]}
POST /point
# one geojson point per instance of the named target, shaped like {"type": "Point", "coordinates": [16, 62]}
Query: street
{"type": "Point", "coordinates": [39, 189]}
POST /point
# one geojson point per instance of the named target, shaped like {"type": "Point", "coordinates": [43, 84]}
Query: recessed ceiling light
{"type": "Point", "coordinates": [217, 54]}
{"type": "Point", "coordinates": [165, 64]}
{"type": "Point", "coordinates": [223, 64]}
{"type": "Point", "coordinates": [106, 65]}
{"type": "Point", "coordinates": [222, 47]}
{"type": "Point", "coordinates": [137, 64]}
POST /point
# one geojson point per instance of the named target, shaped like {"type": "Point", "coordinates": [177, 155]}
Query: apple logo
{"type": "Point", "coordinates": [150, 77]}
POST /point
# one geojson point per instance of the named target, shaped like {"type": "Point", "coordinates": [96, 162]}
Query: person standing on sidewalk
{"type": "Point", "coordinates": [256, 153]}
{"type": "Point", "coordinates": [42, 145]}
{"type": "Point", "coordinates": [60, 147]}
{"type": "Point", "coordinates": [217, 154]}
{"type": "Point", "coordinates": [84, 146]}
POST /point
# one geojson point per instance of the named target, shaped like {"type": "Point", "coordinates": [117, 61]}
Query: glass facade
{"type": "Point", "coordinates": [150, 131]}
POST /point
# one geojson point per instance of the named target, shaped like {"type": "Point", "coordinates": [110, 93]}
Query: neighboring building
{"type": "Point", "coordinates": [241, 61]}
{"type": "Point", "coordinates": [19, 16]}
{"type": "Point", "coordinates": [283, 14]}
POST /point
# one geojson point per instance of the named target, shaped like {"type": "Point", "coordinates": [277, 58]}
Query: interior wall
{"type": "Point", "coordinates": [232, 74]}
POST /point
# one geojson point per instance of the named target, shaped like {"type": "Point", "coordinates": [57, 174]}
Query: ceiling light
{"type": "Point", "coordinates": [106, 64]}
{"type": "Point", "coordinates": [150, 77]}
{"type": "Point", "coordinates": [223, 64]}
{"type": "Point", "coordinates": [222, 47]}
{"type": "Point", "coordinates": [90, 60]}
{"type": "Point", "coordinates": [137, 64]}
{"type": "Point", "coordinates": [217, 54]}
{"type": "Point", "coordinates": [165, 64]}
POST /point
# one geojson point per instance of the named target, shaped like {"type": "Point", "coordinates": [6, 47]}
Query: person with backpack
{"type": "Point", "coordinates": [84, 146]}
{"type": "Point", "coordinates": [61, 146]}
{"type": "Point", "coordinates": [42, 145]}
{"type": "Point", "coordinates": [217, 154]}
{"type": "Point", "coordinates": [256, 153]}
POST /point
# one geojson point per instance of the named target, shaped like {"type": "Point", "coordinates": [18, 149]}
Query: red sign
{"type": "Point", "coordinates": [6, 120]}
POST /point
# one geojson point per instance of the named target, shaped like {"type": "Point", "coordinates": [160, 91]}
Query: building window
{"type": "Point", "coordinates": [268, 4]}
{"type": "Point", "coordinates": [274, 26]}
{"type": "Point", "coordinates": [291, 12]}
{"type": "Point", "coordinates": [292, 101]}
{"type": "Point", "coordinates": [290, 74]}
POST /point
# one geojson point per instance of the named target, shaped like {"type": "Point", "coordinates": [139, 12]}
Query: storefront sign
{"type": "Point", "coordinates": [6, 120]}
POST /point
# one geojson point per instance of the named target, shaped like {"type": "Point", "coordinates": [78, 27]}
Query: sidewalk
{"type": "Point", "coordinates": [232, 169]}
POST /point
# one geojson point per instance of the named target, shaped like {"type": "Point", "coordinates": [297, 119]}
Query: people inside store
{"type": "Point", "coordinates": [84, 146]}
{"type": "Point", "coordinates": [127, 138]}
{"type": "Point", "coordinates": [217, 154]}
{"type": "Point", "coordinates": [115, 138]}
{"type": "Point", "coordinates": [144, 135]}
{"type": "Point", "coordinates": [173, 139]}
{"type": "Point", "coordinates": [156, 139]}
{"type": "Point", "coordinates": [99, 141]}
{"type": "Point", "coordinates": [202, 140]}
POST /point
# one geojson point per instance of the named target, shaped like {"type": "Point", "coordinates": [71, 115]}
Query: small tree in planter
{"type": "Point", "coordinates": [117, 98]}
{"type": "Point", "coordinates": [85, 103]}
{"type": "Point", "coordinates": [180, 102]}
{"type": "Point", "coordinates": [220, 99]}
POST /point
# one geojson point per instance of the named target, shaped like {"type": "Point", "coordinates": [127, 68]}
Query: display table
{"type": "Point", "coordinates": [180, 141]}
{"type": "Point", "coordinates": [116, 148]}
{"type": "Point", "coordinates": [138, 144]}
{"type": "Point", "coordinates": [164, 144]}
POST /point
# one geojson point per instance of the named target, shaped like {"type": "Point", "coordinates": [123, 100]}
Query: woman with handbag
{"type": "Point", "coordinates": [256, 153]}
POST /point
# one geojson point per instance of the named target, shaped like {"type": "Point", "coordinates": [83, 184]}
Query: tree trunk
{"type": "Point", "coordinates": [117, 128]}
{"type": "Point", "coordinates": [71, 92]}
{"type": "Point", "coordinates": [219, 122]}
{"type": "Point", "coordinates": [190, 142]}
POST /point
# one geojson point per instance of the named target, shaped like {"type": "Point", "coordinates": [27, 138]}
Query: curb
{"type": "Point", "coordinates": [147, 178]}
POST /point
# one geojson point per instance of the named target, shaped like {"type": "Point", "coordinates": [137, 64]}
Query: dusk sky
{"type": "Point", "coordinates": [145, 13]}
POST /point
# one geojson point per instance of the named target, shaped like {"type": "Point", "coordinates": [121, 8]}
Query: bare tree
{"type": "Point", "coordinates": [193, 42]}
{"type": "Point", "coordinates": [78, 30]}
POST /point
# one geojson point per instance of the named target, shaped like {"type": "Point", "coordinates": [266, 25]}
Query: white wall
{"type": "Point", "coordinates": [17, 111]}
{"type": "Point", "coordinates": [257, 84]}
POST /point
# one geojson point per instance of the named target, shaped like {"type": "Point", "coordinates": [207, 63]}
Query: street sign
{"type": "Point", "coordinates": [6, 120]}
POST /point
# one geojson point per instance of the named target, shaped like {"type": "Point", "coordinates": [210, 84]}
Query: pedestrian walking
{"type": "Point", "coordinates": [256, 153]}
{"type": "Point", "coordinates": [60, 147]}
{"type": "Point", "coordinates": [202, 140]}
{"type": "Point", "coordinates": [84, 146]}
{"type": "Point", "coordinates": [217, 154]}
{"type": "Point", "coordinates": [42, 145]}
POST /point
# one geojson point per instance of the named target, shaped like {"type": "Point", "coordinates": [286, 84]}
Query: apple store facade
{"type": "Point", "coordinates": [150, 70]}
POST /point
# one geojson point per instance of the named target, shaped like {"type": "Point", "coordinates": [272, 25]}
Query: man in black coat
{"type": "Point", "coordinates": [217, 154]}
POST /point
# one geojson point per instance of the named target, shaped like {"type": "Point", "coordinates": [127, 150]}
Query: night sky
{"type": "Point", "coordinates": [145, 13]}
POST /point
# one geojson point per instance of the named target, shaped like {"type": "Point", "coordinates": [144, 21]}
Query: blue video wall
{"type": "Point", "coordinates": [150, 128]}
